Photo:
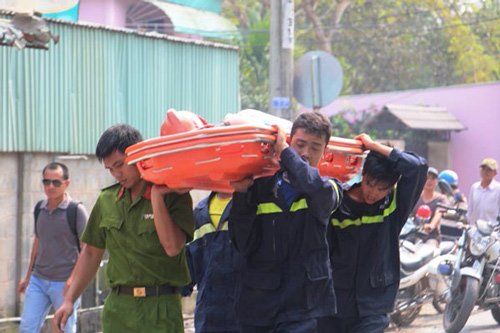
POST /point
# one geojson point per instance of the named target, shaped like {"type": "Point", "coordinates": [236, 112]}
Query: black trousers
{"type": "Point", "coordinates": [367, 324]}
{"type": "Point", "coordinates": [303, 326]}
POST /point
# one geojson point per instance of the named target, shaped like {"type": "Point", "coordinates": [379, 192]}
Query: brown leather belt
{"type": "Point", "coordinates": [164, 289]}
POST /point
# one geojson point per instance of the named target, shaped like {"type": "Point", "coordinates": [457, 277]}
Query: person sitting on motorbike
{"type": "Point", "coordinates": [432, 198]}
{"type": "Point", "coordinates": [456, 197]}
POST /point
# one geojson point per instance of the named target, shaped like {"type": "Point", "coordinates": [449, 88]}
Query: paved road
{"type": "Point", "coordinates": [431, 322]}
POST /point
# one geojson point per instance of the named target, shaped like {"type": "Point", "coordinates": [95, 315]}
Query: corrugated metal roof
{"type": "Point", "coordinates": [153, 35]}
{"type": "Point", "coordinates": [62, 99]}
{"type": "Point", "coordinates": [422, 117]}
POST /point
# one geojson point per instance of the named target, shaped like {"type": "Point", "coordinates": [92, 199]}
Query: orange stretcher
{"type": "Point", "coordinates": [209, 158]}
{"type": "Point", "coordinates": [343, 159]}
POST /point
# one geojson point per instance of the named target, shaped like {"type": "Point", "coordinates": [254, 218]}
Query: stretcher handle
{"type": "Point", "coordinates": [335, 140]}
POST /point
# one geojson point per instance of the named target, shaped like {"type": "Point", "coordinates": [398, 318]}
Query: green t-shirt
{"type": "Point", "coordinates": [126, 230]}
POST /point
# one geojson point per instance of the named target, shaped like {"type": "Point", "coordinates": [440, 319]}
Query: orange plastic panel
{"type": "Point", "coordinates": [343, 159]}
{"type": "Point", "coordinates": [210, 158]}
{"type": "Point", "coordinates": [203, 161]}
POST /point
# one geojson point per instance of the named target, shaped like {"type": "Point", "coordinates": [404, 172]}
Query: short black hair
{"type": "Point", "coordinates": [313, 123]}
{"type": "Point", "coordinates": [380, 168]}
{"type": "Point", "coordinates": [55, 166]}
{"type": "Point", "coordinates": [116, 138]}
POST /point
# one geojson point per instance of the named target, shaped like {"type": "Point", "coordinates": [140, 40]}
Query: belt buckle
{"type": "Point", "coordinates": [140, 292]}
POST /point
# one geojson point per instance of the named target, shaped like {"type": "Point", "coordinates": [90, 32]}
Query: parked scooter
{"type": "Point", "coordinates": [474, 272]}
{"type": "Point", "coordinates": [420, 280]}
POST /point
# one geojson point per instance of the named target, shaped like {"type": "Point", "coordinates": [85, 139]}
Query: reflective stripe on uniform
{"type": "Point", "coordinates": [366, 219]}
{"type": "Point", "coordinates": [298, 205]}
{"type": "Point", "coordinates": [268, 208]}
{"type": "Point", "coordinates": [272, 208]}
{"type": "Point", "coordinates": [335, 187]}
{"type": "Point", "coordinates": [208, 228]}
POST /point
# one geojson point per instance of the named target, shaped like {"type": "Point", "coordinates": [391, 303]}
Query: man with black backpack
{"type": "Point", "coordinates": [59, 221]}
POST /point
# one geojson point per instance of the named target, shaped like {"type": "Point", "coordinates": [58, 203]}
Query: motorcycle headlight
{"type": "Point", "coordinates": [478, 243]}
{"type": "Point", "coordinates": [485, 227]}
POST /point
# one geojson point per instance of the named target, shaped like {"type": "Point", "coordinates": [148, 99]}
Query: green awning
{"type": "Point", "coordinates": [164, 17]}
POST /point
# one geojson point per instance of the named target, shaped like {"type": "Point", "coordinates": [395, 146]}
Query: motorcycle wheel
{"type": "Point", "coordinates": [463, 300]}
{"type": "Point", "coordinates": [438, 305]}
{"type": "Point", "coordinates": [495, 312]}
{"type": "Point", "coordinates": [406, 317]}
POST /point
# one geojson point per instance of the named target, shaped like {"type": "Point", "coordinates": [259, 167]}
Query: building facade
{"type": "Point", "coordinates": [476, 106]}
{"type": "Point", "coordinates": [55, 104]}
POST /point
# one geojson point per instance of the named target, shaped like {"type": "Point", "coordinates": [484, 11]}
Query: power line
{"type": "Point", "coordinates": [417, 34]}
{"type": "Point", "coordinates": [374, 27]}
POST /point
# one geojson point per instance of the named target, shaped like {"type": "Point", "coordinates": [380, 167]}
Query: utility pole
{"type": "Point", "coordinates": [281, 58]}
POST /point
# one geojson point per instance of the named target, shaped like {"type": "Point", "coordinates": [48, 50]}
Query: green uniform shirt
{"type": "Point", "coordinates": [126, 230]}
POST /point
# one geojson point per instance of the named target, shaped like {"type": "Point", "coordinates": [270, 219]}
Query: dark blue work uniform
{"type": "Point", "coordinates": [364, 245]}
{"type": "Point", "coordinates": [213, 264]}
{"type": "Point", "coordinates": [286, 278]}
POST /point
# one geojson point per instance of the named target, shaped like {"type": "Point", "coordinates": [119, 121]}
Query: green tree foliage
{"type": "Point", "coordinates": [253, 18]}
{"type": "Point", "coordinates": [472, 64]}
{"type": "Point", "coordinates": [349, 122]}
{"type": "Point", "coordinates": [398, 45]}
{"type": "Point", "coordinates": [383, 45]}
{"type": "Point", "coordinates": [477, 41]}
{"type": "Point", "coordinates": [320, 19]}
{"type": "Point", "coordinates": [392, 45]}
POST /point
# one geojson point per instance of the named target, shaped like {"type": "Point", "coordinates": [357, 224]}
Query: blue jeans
{"type": "Point", "coordinates": [40, 295]}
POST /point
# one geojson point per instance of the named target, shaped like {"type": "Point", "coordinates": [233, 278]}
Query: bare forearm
{"type": "Point", "coordinates": [436, 220]}
{"type": "Point", "coordinates": [171, 237]}
{"type": "Point", "coordinates": [34, 252]}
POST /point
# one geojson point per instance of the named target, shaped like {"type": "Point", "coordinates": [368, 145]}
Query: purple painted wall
{"type": "Point", "coordinates": [477, 106]}
{"type": "Point", "coordinates": [105, 12]}
{"type": "Point", "coordinates": [112, 13]}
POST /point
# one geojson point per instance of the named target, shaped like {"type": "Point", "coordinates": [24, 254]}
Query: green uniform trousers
{"type": "Point", "coordinates": [152, 314]}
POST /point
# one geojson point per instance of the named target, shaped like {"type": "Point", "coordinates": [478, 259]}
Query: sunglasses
{"type": "Point", "coordinates": [55, 182]}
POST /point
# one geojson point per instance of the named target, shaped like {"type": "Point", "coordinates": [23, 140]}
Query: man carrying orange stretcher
{"type": "Point", "coordinates": [193, 154]}
{"type": "Point", "coordinates": [278, 224]}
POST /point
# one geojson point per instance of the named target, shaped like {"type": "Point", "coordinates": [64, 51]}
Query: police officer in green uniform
{"type": "Point", "coordinates": [144, 228]}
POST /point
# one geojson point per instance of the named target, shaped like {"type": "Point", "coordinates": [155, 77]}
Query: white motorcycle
{"type": "Point", "coordinates": [420, 280]}
{"type": "Point", "coordinates": [474, 273]}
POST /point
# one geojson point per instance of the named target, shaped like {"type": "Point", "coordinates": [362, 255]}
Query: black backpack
{"type": "Point", "coordinates": [71, 212]}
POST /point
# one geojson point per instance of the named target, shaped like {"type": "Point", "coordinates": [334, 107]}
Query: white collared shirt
{"type": "Point", "coordinates": [484, 202]}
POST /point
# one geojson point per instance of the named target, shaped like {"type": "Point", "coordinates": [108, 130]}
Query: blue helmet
{"type": "Point", "coordinates": [449, 176]}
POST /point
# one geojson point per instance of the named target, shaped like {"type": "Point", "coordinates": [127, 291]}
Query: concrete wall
{"type": "Point", "coordinates": [438, 155]}
{"type": "Point", "coordinates": [8, 209]}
